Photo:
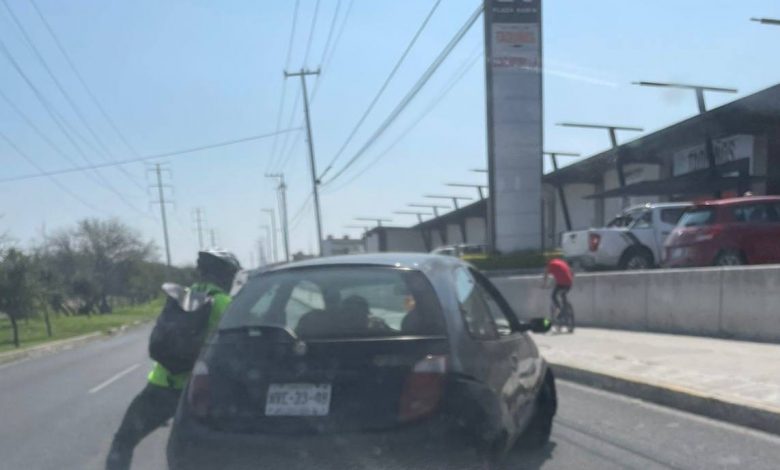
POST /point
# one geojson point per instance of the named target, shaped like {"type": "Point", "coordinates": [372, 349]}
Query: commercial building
{"type": "Point", "coordinates": [671, 164]}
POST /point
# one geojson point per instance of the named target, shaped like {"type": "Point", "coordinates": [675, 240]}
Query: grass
{"type": "Point", "coordinates": [32, 332]}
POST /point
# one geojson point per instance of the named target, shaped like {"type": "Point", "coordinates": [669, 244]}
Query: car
{"type": "Point", "coordinates": [632, 240]}
{"type": "Point", "coordinates": [727, 232]}
{"type": "Point", "coordinates": [399, 358]}
{"type": "Point", "coordinates": [462, 250]}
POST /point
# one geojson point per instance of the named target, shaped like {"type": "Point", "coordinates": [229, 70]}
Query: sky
{"type": "Point", "coordinates": [180, 74]}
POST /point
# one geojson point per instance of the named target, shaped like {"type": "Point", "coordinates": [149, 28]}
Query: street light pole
{"type": "Point", "coordinates": [480, 188]}
{"type": "Point", "coordinates": [561, 193]}
{"type": "Point", "coordinates": [314, 181]}
{"type": "Point", "coordinates": [770, 21]}
{"type": "Point", "coordinates": [271, 214]}
{"type": "Point", "coordinates": [378, 220]}
{"type": "Point", "coordinates": [613, 140]}
{"type": "Point", "coordinates": [699, 90]}
{"type": "Point", "coordinates": [282, 194]}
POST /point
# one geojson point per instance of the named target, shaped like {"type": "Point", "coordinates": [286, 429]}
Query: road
{"type": "Point", "coordinates": [60, 411]}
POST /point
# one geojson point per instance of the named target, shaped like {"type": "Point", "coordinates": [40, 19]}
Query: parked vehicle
{"type": "Point", "coordinates": [329, 362]}
{"type": "Point", "coordinates": [461, 251]}
{"type": "Point", "coordinates": [727, 232]}
{"type": "Point", "coordinates": [632, 240]}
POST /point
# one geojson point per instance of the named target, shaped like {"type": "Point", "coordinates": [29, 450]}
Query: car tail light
{"type": "Point", "coordinates": [199, 391]}
{"type": "Point", "coordinates": [594, 240]}
{"type": "Point", "coordinates": [708, 233]}
{"type": "Point", "coordinates": [423, 389]}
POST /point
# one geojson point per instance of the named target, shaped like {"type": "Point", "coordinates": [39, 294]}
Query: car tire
{"type": "Point", "coordinates": [635, 259]}
{"type": "Point", "coordinates": [729, 258]}
{"type": "Point", "coordinates": [537, 434]}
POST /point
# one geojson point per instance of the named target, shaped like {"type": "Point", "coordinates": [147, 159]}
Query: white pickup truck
{"type": "Point", "coordinates": [632, 240]}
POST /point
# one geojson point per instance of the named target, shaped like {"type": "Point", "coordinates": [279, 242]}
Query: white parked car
{"type": "Point", "coordinates": [632, 240]}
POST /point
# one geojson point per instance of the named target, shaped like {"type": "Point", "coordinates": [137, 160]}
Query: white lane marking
{"type": "Point", "coordinates": [113, 379]}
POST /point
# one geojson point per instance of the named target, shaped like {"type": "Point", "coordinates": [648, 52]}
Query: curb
{"type": "Point", "coordinates": [680, 398]}
{"type": "Point", "coordinates": [63, 344]}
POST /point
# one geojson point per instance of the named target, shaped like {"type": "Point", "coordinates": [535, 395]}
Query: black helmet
{"type": "Point", "coordinates": [218, 262]}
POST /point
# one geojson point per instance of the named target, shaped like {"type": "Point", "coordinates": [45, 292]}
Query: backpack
{"type": "Point", "coordinates": [181, 328]}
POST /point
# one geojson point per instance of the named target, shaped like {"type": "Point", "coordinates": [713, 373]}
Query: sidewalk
{"type": "Point", "coordinates": [735, 381]}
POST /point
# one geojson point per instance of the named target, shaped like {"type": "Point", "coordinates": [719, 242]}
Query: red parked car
{"type": "Point", "coordinates": [726, 232]}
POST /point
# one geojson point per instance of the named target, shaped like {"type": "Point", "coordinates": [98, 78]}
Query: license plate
{"type": "Point", "coordinates": [298, 400]}
{"type": "Point", "coordinates": [678, 252]}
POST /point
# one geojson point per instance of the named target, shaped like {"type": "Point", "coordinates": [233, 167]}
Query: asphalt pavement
{"type": "Point", "coordinates": [60, 411]}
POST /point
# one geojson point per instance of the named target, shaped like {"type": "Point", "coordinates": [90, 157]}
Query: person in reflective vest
{"type": "Point", "coordinates": [157, 402]}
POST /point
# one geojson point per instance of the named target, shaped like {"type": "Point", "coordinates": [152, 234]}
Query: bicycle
{"type": "Point", "coordinates": [563, 318]}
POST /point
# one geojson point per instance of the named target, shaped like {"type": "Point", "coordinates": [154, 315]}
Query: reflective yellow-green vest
{"type": "Point", "coordinates": [159, 375]}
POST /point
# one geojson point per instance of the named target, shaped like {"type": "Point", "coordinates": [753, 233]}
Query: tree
{"type": "Point", "coordinates": [17, 288]}
{"type": "Point", "coordinates": [94, 262]}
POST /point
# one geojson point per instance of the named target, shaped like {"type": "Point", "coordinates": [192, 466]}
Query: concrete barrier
{"type": "Point", "coordinates": [740, 302]}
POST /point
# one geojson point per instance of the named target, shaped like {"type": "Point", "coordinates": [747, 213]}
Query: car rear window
{"type": "Point", "coordinates": [697, 217]}
{"type": "Point", "coordinates": [338, 302]}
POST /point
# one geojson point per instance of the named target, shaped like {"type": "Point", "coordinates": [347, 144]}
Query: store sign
{"type": "Point", "coordinates": [513, 36]}
{"type": "Point", "coordinates": [729, 149]}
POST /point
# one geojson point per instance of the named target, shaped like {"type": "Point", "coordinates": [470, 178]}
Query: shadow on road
{"type": "Point", "coordinates": [528, 459]}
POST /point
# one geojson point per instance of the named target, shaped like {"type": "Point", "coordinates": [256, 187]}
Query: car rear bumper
{"type": "Point", "coordinates": [689, 256]}
{"type": "Point", "coordinates": [431, 444]}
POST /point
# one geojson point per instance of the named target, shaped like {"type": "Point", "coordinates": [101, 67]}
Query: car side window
{"type": "Point", "coordinates": [752, 213]}
{"type": "Point", "coordinates": [501, 322]}
{"type": "Point", "coordinates": [671, 216]}
{"type": "Point", "coordinates": [473, 307]}
{"type": "Point", "coordinates": [644, 221]}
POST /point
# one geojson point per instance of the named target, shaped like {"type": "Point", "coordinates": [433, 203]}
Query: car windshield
{"type": "Point", "coordinates": [338, 302]}
{"type": "Point", "coordinates": [697, 217]}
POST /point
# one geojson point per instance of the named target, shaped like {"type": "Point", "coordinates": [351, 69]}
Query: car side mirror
{"type": "Point", "coordinates": [536, 325]}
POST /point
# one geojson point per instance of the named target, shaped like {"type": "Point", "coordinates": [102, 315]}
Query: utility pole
{"type": "Point", "coordinates": [314, 181]}
{"type": "Point", "coordinates": [282, 194]}
{"type": "Point", "coordinates": [213, 237]}
{"type": "Point", "coordinates": [480, 188]}
{"type": "Point", "coordinates": [199, 225]}
{"type": "Point", "coordinates": [161, 200]}
{"type": "Point", "coordinates": [270, 212]}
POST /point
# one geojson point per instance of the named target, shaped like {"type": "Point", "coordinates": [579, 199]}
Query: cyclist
{"type": "Point", "coordinates": [560, 271]}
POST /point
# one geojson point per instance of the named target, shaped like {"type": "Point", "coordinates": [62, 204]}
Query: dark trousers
{"type": "Point", "coordinates": [560, 292]}
{"type": "Point", "coordinates": [148, 411]}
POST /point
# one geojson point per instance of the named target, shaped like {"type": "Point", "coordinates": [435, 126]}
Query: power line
{"type": "Point", "coordinates": [81, 80]}
{"type": "Point", "coordinates": [325, 49]}
{"type": "Point", "coordinates": [312, 28]}
{"type": "Point", "coordinates": [413, 92]}
{"type": "Point", "coordinates": [54, 180]}
{"type": "Point", "coordinates": [77, 110]}
{"type": "Point", "coordinates": [53, 114]}
{"type": "Point", "coordinates": [284, 84]}
{"type": "Point", "coordinates": [382, 88]}
{"type": "Point", "coordinates": [296, 219]}
{"type": "Point", "coordinates": [464, 68]}
{"type": "Point", "coordinates": [143, 158]}
{"type": "Point", "coordinates": [326, 61]}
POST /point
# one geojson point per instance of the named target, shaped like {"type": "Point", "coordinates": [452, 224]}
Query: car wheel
{"type": "Point", "coordinates": [729, 258]}
{"type": "Point", "coordinates": [537, 434]}
{"type": "Point", "coordinates": [636, 259]}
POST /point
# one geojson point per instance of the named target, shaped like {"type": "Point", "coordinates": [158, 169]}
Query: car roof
{"type": "Point", "coordinates": [418, 261]}
{"type": "Point", "coordinates": [739, 200]}
{"type": "Point", "coordinates": [653, 205]}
